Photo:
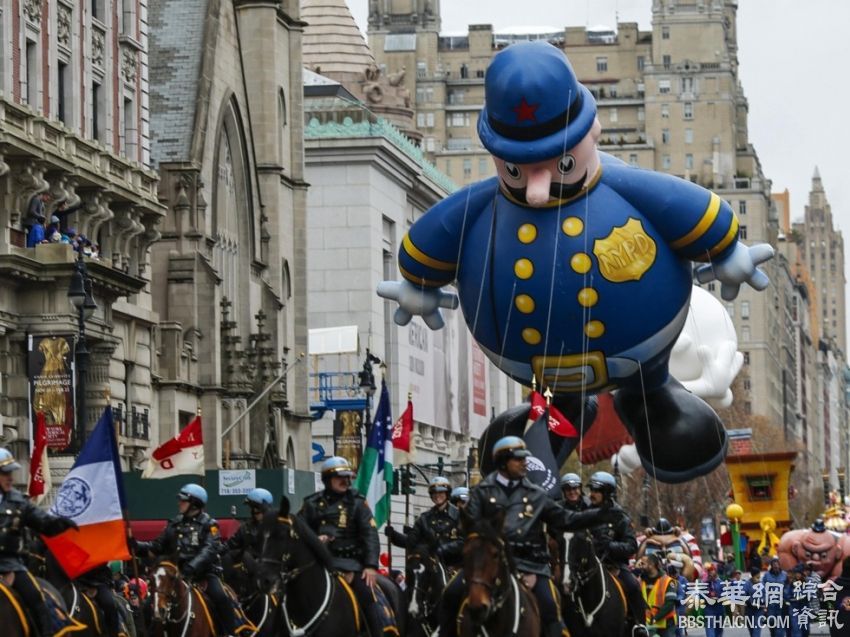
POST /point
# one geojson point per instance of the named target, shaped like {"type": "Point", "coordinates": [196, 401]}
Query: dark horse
{"type": "Point", "coordinates": [261, 608]}
{"type": "Point", "coordinates": [598, 602]}
{"type": "Point", "coordinates": [497, 602]}
{"type": "Point", "coordinates": [426, 577]}
{"type": "Point", "coordinates": [314, 600]}
{"type": "Point", "coordinates": [14, 616]}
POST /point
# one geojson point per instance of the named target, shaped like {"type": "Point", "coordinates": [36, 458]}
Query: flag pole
{"type": "Point", "coordinates": [389, 495]}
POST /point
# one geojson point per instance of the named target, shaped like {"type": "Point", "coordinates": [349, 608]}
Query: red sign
{"type": "Point", "coordinates": [479, 381]}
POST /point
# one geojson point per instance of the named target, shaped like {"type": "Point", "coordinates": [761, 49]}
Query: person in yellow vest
{"type": "Point", "coordinates": [661, 594]}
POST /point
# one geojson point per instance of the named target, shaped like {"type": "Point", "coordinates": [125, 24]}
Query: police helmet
{"type": "Point", "coordinates": [570, 480]}
{"type": "Point", "coordinates": [663, 527]}
{"type": "Point", "coordinates": [336, 466]}
{"type": "Point", "coordinates": [7, 461]}
{"type": "Point", "coordinates": [460, 494]}
{"type": "Point", "coordinates": [194, 494]}
{"type": "Point", "coordinates": [259, 498]}
{"type": "Point", "coordinates": [604, 482]}
{"type": "Point", "coordinates": [507, 448]}
{"type": "Point", "coordinates": [439, 484]}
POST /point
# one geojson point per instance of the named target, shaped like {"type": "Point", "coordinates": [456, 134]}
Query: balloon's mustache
{"type": "Point", "coordinates": [557, 190]}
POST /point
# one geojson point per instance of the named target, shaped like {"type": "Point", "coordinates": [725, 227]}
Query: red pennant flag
{"type": "Point", "coordinates": [558, 423]}
{"type": "Point", "coordinates": [403, 428]}
{"type": "Point", "coordinates": [182, 454]}
{"type": "Point", "coordinates": [38, 462]}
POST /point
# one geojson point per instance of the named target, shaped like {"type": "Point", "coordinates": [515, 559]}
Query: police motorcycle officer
{"type": "Point", "coordinates": [193, 541]}
{"type": "Point", "coordinates": [248, 539]}
{"type": "Point", "coordinates": [529, 510]}
{"type": "Point", "coordinates": [459, 497]}
{"type": "Point", "coordinates": [438, 528]}
{"type": "Point", "coordinates": [17, 513]}
{"type": "Point", "coordinates": [343, 521]}
{"type": "Point", "coordinates": [615, 542]}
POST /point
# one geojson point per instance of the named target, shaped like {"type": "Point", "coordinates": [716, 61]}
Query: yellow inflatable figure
{"type": "Point", "coordinates": [769, 539]}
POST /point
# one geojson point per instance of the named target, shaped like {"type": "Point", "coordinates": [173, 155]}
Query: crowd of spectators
{"type": "Point", "coordinates": [56, 230]}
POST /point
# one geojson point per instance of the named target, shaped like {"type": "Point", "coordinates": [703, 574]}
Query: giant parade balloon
{"type": "Point", "coordinates": [574, 268]}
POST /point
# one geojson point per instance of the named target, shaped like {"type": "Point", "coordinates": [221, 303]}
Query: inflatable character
{"type": "Point", "coordinates": [573, 267]}
{"type": "Point", "coordinates": [769, 542]}
{"type": "Point", "coordinates": [817, 546]}
{"type": "Point", "coordinates": [671, 542]}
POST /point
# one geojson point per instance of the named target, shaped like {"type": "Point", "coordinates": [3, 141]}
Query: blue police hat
{"type": "Point", "coordinates": [534, 107]}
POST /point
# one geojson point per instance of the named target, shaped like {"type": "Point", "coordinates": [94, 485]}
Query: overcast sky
{"type": "Point", "coordinates": [792, 65]}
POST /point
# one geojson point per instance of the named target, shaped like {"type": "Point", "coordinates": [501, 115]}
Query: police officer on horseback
{"type": "Point", "coordinates": [248, 539]}
{"type": "Point", "coordinates": [193, 541]}
{"type": "Point", "coordinates": [529, 510]}
{"type": "Point", "coordinates": [16, 514]}
{"type": "Point", "coordinates": [615, 542]}
{"type": "Point", "coordinates": [459, 497]}
{"type": "Point", "coordinates": [438, 528]}
{"type": "Point", "coordinates": [343, 521]}
{"type": "Point", "coordinates": [572, 497]}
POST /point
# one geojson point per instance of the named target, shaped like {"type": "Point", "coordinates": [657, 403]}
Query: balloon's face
{"type": "Point", "coordinates": [821, 549]}
{"type": "Point", "coordinates": [560, 177]}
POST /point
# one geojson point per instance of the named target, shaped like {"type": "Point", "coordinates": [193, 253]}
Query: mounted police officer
{"type": "Point", "coordinates": [615, 542]}
{"type": "Point", "coordinates": [16, 514]}
{"type": "Point", "coordinates": [438, 528]}
{"type": "Point", "coordinates": [459, 497]}
{"type": "Point", "coordinates": [341, 518]}
{"type": "Point", "coordinates": [572, 497]}
{"type": "Point", "coordinates": [248, 539]}
{"type": "Point", "coordinates": [192, 540]}
{"type": "Point", "coordinates": [529, 510]}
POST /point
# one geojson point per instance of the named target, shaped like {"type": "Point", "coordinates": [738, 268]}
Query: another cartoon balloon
{"type": "Point", "coordinates": [817, 546]}
{"type": "Point", "coordinates": [626, 459]}
{"type": "Point", "coordinates": [573, 267]}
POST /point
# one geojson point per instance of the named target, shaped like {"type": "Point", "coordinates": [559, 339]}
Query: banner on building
{"type": "Point", "coordinates": [347, 439]}
{"type": "Point", "coordinates": [50, 367]}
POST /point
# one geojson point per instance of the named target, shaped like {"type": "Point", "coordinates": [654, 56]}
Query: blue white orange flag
{"type": "Point", "coordinates": [92, 495]}
{"type": "Point", "coordinates": [375, 475]}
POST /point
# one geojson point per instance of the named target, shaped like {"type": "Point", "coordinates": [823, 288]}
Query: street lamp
{"type": "Point", "coordinates": [735, 512]}
{"type": "Point", "coordinates": [80, 296]}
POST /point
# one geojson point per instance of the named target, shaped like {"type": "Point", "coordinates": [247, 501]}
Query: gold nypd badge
{"type": "Point", "coordinates": [626, 253]}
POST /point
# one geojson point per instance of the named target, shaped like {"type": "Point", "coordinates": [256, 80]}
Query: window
{"type": "Point", "coordinates": [663, 86]}
{"type": "Point", "coordinates": [421, 70]}
{"type": "Point", "coordinates": [746, 358]}
{"type": "Point", "coordinates": [601, 64]}
{"type": "Point", "coordinates": [420, 120]}
{"type": "Point", "coordinates": [633, 159]}
{"type": "Point", "coordinates": [429, 144]}
{"type": "Point", "coordinates": [457, 97]}
{"type": "Point", "coordinates": [745, 309]}
{"type": "Point", "coordinates": [711, 286]}
{"type": "Point", "coordinates": [127, 17]}
{"type": "Point", "coordinates": [429, 120]}
{"type": "Point", "coordinates": [665, 162]}
{"type": "Point", "coordinates": [665, 111]}
{"type": "Point", "coordinates": [665, 33]}
{"type": "Point", "coordinates": [742, 232]}
{"type": "Point", "coordinates": [641, 63]}
{"type": "Point", "coordinates": [748, 384]}
{"type": "Point", "coordinates": [689, 161]}
{"type": "Point", "coordinates": [745, 333]}
{"type": "Point", "coordinates": [29, 91]}
{"type": "Point", "coordinates": [129, 138]}
{"type": "Point", "coordinates": [97, 132]}
{"type": "Point", "coordinates": [641, 114]}
{"type": "Point", "coordinates": [467, 168]}
{"type": "Point", "coordinates": [62, 111]}
{"type": "Point", "coordinates": [612, 115]}
{"type": "Point", "coordinates": [730, 310]}
{"type": "Point", "coordinates": [464, 71]}
{"type": "Point", "coordinates": [759, 488]}
{"type": "Point", "coordinates": [612, 92]}
{"type": "Point", "coordinates": [666, 62]}
{"type": "Point", "coordinates": [687, 85]}
{"type": "Point", "coordinates": [483, 166]}
{"type": "Point", "coordinates": [748, 409]}
{"type": "Point", "coordinates": [457, 120]}
{"type": "Point", "coordinates": [688, 110]}
{"type": "Point", "coordinates": [689, 135]}
{"type": "Point", "coordinates": [665, 135]}
{"type": "Point", "coordinates": [742, 207]}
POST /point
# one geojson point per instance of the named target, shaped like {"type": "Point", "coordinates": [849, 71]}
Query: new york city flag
{"type": "Point", "coordinates": [92, 495]}
{"type": "Point", "coordinates": [375, 475]}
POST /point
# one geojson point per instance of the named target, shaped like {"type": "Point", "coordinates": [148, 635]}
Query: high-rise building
{"type": "Point", "coordinates": [668, 99]}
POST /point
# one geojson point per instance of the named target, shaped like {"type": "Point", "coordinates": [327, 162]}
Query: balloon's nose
{"type": "Point", "coordinates": [537, 187]}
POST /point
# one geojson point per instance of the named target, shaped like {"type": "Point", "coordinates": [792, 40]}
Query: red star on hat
{"type": "Point", "coordinates": [525, 111]}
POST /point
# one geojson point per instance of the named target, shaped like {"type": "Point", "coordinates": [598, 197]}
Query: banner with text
{"type": "Point", "coordinates": [348, 442]}
{"type": "Point", "coordinates": [50, 367]}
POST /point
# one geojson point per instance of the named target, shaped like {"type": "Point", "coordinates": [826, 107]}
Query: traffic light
{"type": "Point", "coordinates": [396, 482]}
{"type": "Point", "coordinates": [407, 482]}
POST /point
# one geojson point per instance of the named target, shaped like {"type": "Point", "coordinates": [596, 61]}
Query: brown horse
{"type": "Point", "coordinates": [180, 610]}
{"type": "Point", "coordinates": [497, 602]}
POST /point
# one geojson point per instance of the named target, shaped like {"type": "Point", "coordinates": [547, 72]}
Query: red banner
{"type": "Point", "coordinates": [39, 457]}
{"type": "Point", "coordinates": [403, 428]}
{"type": "Point", "coordinates": [558, 422]}
{"type": "Point", "coordinates": [479, 381]}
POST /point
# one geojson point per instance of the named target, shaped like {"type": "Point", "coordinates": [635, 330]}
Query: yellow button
{"type": "Point", "coordinates": [587, 297]}
{"type": "Point", "coordinates": [580, 263]}
{"type": "Point", "coordinates": [526, 233]}
{"type": "Point", "coordinates": [572, 226]}
{"type": "Point", "coordinates": [523, 268]}
{"type": "Point", "coordinates": [531, 336]}
{"type": "Point", "coordinates": [594, 329]}
{"type": "Point", "coordinates": [524, 303]}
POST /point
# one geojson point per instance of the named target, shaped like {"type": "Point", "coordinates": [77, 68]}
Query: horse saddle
{"type": "Point", "coordinates": [242, 623]}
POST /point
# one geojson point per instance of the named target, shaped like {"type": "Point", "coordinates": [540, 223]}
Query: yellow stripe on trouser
{"type": "Point", "coordinates": [353, 599]}
{"type": "Point", "coordinates": [556, 596]}
{"type": "Point", "coordinates": [17, 607]}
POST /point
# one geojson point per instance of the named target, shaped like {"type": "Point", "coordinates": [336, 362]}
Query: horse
{"type": "Point", "coordinates": [16, 620]}
{"type": "Point", "coordinates": [314, 600]}
{"type": "Point", "coordinates": [599, 607]}
{"type": "Point", "coordinates": [260, 608]}
{"type": "Point", "coordinates": [426, 577]}
{"type": "Point", "coordinates": [497, 602]}
{"type": "Point", "coordinates": [180, 610]}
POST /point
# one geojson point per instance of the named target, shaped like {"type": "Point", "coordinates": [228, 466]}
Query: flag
{"type": "Point", "coordinates": [375, 475]}
{"type": "Point", "coordinates": [182, 454]}
{"type": "Point", "coordinates": [39, 468]}
{"type": "Point", "coordinates": [558, 423]}
{"type": "Point", "coordinates": [403, 429]}
{"type": "Point", "coordinates": [541, 465]}
{"type": "Point", "coordinates": [92, 495]}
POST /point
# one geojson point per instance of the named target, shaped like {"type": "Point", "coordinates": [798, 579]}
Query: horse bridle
{"type": "Point", "coordinates": [499, 600]}
{"type": "Point", "coordinates": [172, 601]}
{"type": "Point", "coordinates": [427, 608]}
{"type": "Point", "coordinates": [583, 577]}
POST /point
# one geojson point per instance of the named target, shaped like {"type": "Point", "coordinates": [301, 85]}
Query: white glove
{"type": "Point", "coordinates": [414, 300]}
{"type": "Point", "coordinates": [737, 268]}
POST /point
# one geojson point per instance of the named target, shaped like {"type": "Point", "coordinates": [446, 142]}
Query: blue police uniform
{"type": "Point", "coordinates": [714, 613]}
{"type": "Point", "coordinates": [775, 608]}
{"type": "Point", "coordinates": [754, 609]}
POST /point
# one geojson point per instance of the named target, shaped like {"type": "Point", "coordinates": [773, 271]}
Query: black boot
{"type": "Point", "coordinates": [684, 439]}
{"type": "Point", "coordinates": [555, 629]}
